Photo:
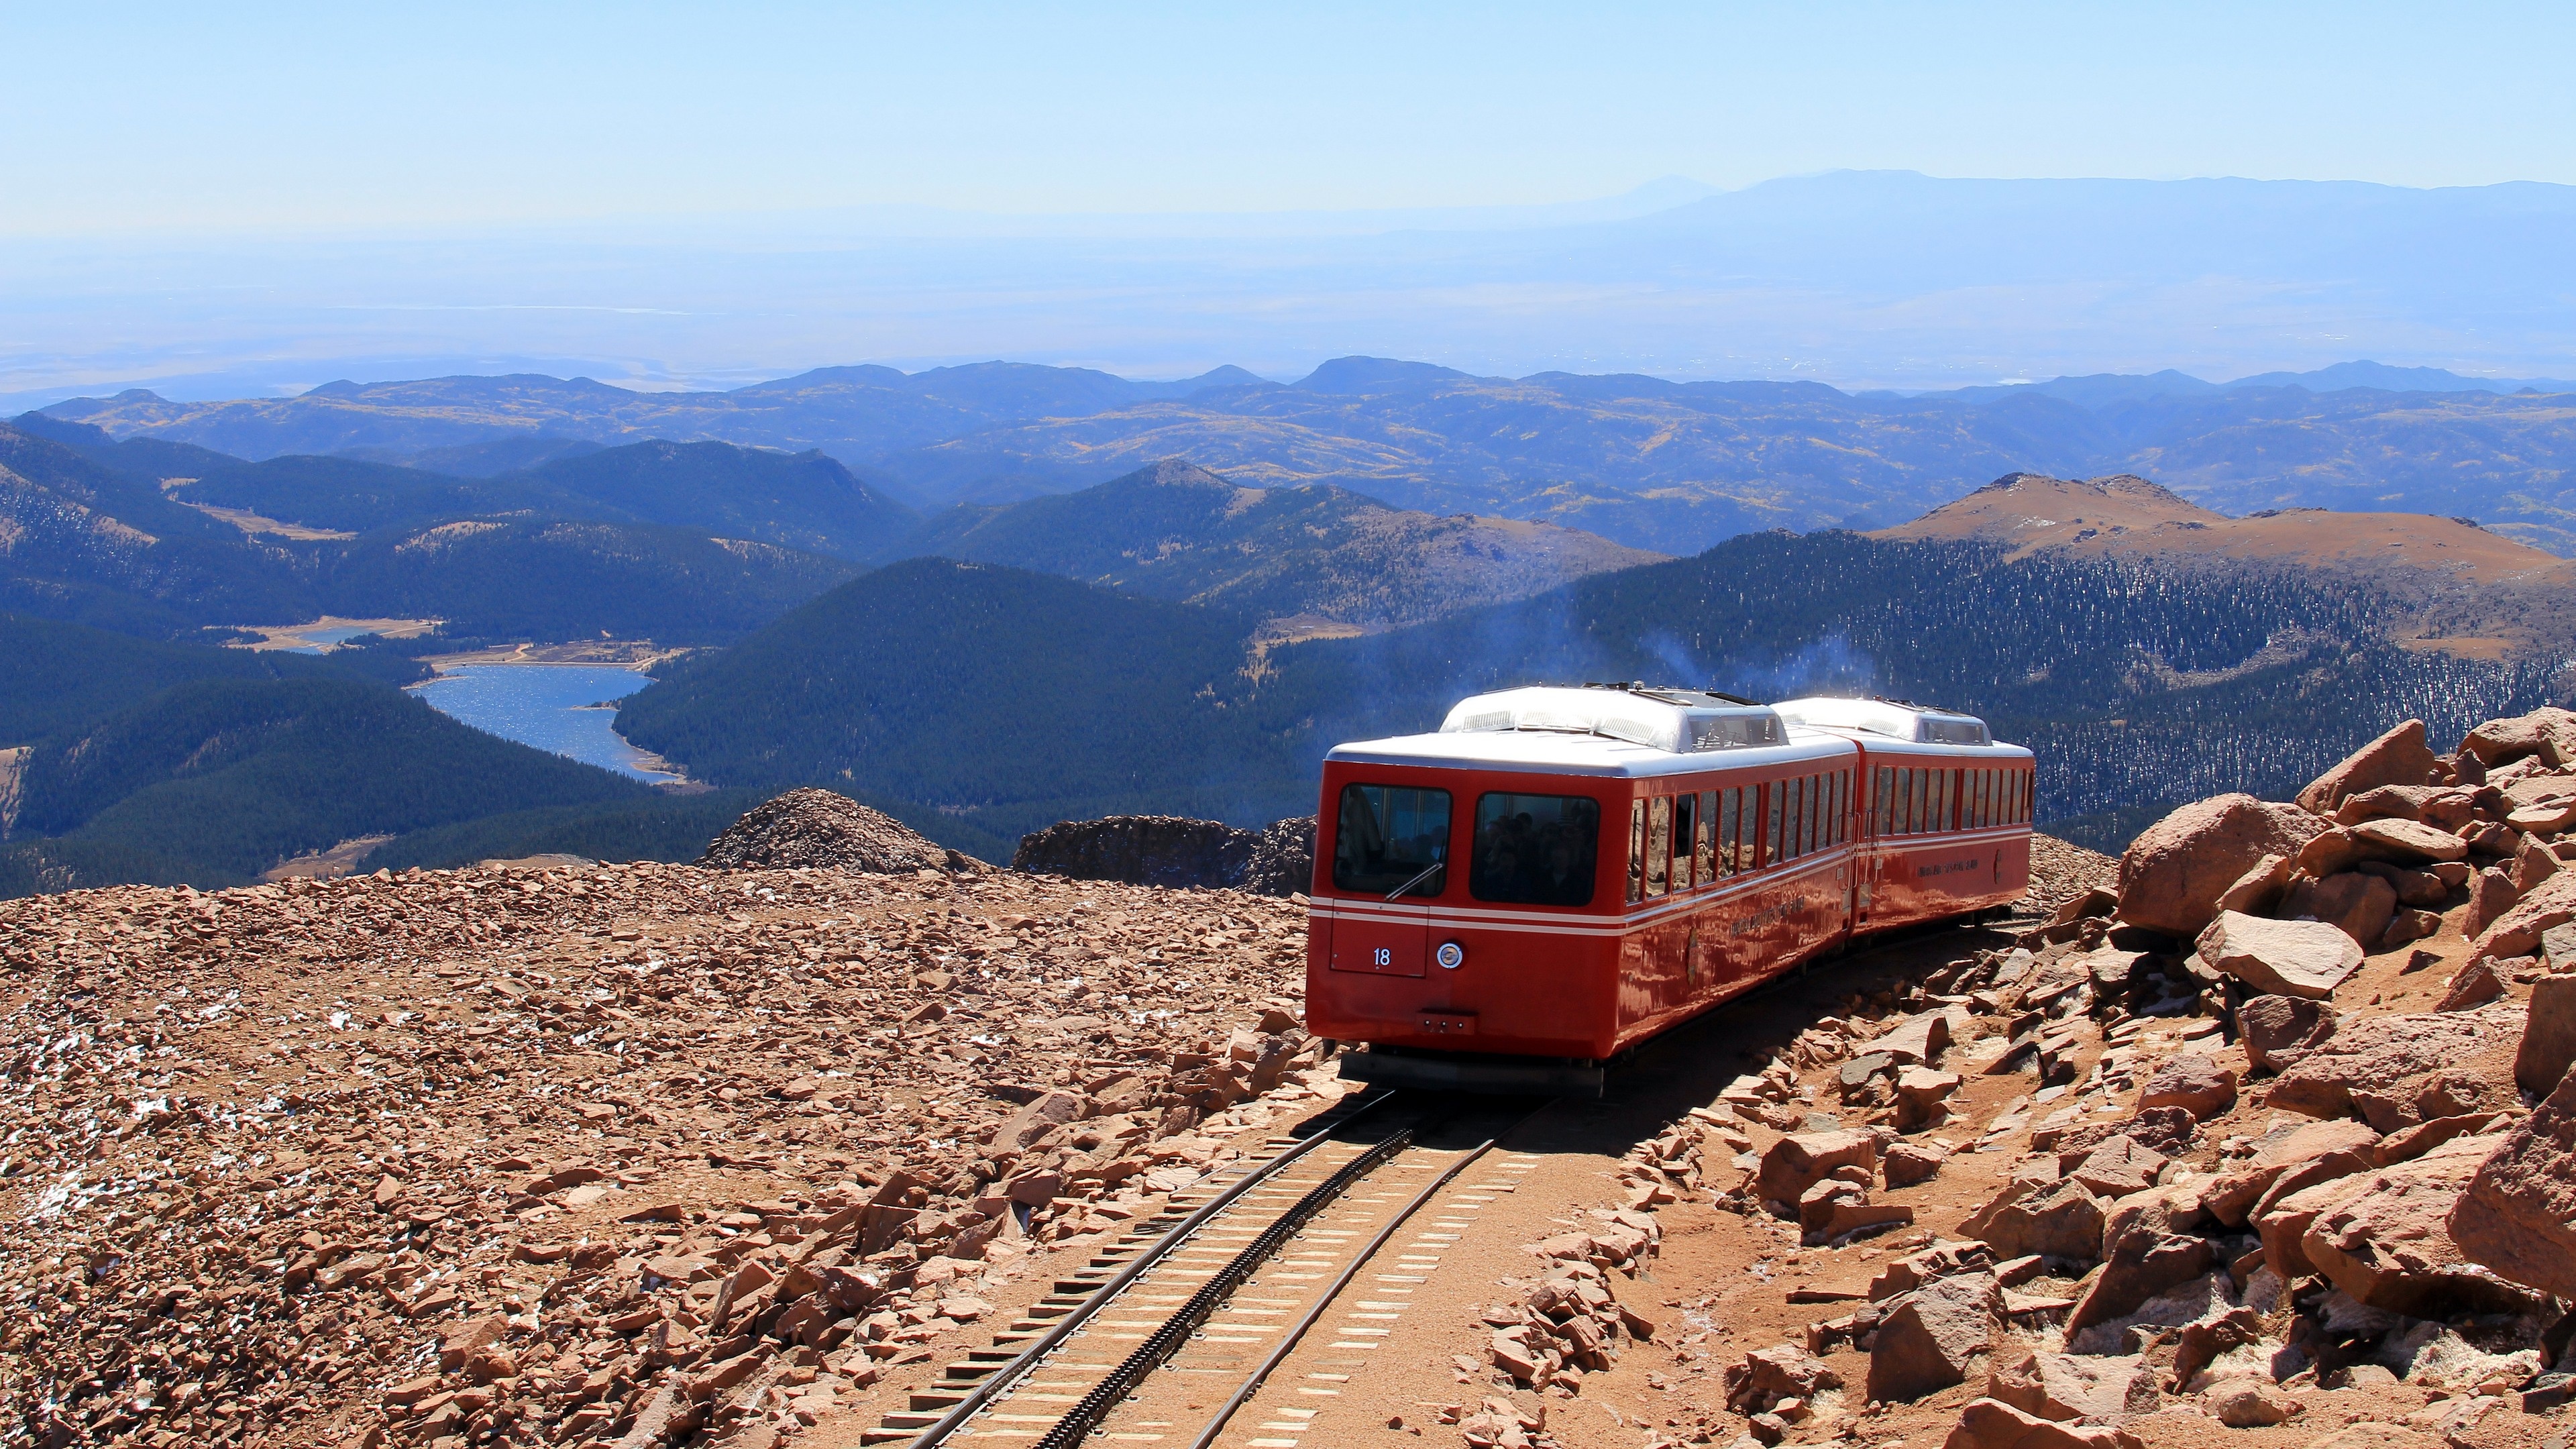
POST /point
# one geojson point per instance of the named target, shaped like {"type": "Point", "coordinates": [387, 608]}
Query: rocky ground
{"type": "Point", "coordinates": [2270, 1141]}
{"type": "Point", "coordinates": [2257, 1137]}
{"type": "Point", "coordinates": [566, 1155]}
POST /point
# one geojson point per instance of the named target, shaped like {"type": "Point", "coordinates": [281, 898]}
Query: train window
{"type": "Point", "coordinates": [1390, 839]}
{"type": "Point", "coordinates": [1659, 845]}
{"type": "Point", "coordinates": [1945, 801]}
{"type": "Point", "coordinates": [1536, 850]}
{"type": "Point", "coordinates": [1840, 807]}
{"type": "Point", "coordinates": [1882, 804]}
{"type": "Point", "coordinates": [1704, 848]}
{"type": "Point", "coordinates": [1990, 797]}
{"type": "Point", "coordinates": [1802, 816]}
{"type": "Point", "coordinates": [1775, 814]}
{"type": "Point", "coordinates": [1636, 851]}
{"type": "Point", "coordinates": [1730, 829]}
{"type": "Point", "coordinates": [1685, 827]}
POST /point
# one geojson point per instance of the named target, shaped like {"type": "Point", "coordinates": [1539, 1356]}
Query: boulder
{"type": "Point", "coordinates": [2398, 1070]}
{"type": "Point", "coordinates": [2399, 757]}
{"type": "Point", "coordinates": [1817, 1204]}
{"type": "Point", "coordinates": [2172, 875]}
{"type": "Point", "coordinates": [2533, 863]}
{"type": "Point", "coordinates": [2548, 1035]}
{"type": "Point", "coordinates": [2417, 888]}
{"type": "Point", "coordinates": [2194, 1082]}
{"type": "Point", "coordinates": [2252, 1404]}
{"type": "Point", "coordinates": [2423, 1137]}
{"type": "Point", "coordinates": [2118, 1167]}
{"type": "Point", "coordinates": [1908, 1163]}
{"type": "Point", "coordinates": [2518, 1214]}
{"type": "Point", "coordinates": [1993, 1424]}
{"type": "Point", "coordinates": [2408, 841]}
{"type": "Point", "coordinates": [2284, 1149]}
{"type": "Point", "coordinates": [2386, 1241]}
{"type": "Point", "coordinates": [2062, 1386]}
{"type": "Point", "coordinates": [2334, 849]}
{"type": "Point", "coordinates": [2395, 802]}
{"type": "Point", "coordinates": [1050, 1109]}
{"type": "Point", "coordinates": [2260, 887]}
{"type": "Point", "coordinates": [1923, 1097]}
{"type": "Point", "coordinates": [1797, 1163]}
{"type": "Point", "coordinates": [1930, 1338]}
{"type": "Point", "coordinates": [2282, 1222]}
{"type": "Point", "coordinates": [1768, 1375]}
{"type": "Point", "coordinates": [2408, 926]}
{"type": "Point", "coordinates": [1916, 1041]}
{"type": "Point", "coordinates": [2356, 904]}
{"type": "Point", "coordinates": [2278, 1030]}
{"type": "Point", "coordinates": [2474, 986]}
{"type": "Point", "coordinates": [2283, 958]}
{"type": "Point", "coordinates": [2491, 899]}
{"type": "Point", "coordinates": [2142, 1265]}
{"type": "Point", "coordinates": [2057, 1220]}
{"type": "Point", "coordinates": [2517, 932]}
{"type": "Point", "coordinates": [2548, 732]}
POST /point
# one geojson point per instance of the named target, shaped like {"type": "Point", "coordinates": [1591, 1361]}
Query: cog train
{"type": "Point", "coordinates": [1627, 858]}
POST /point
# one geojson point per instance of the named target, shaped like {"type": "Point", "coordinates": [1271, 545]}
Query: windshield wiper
{"type": "Point", "coordinates": [1419, 879]}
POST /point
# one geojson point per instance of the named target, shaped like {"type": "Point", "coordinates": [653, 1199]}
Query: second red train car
{"type": "Point", "coordinates": [1558, 874]}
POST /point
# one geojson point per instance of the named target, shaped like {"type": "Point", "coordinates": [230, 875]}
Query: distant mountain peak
{"type": "Point", "coordinates": [1378, 375]}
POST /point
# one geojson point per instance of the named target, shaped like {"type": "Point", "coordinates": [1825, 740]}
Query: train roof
{"type": "Point", "coordinates": [1898, 720]}
{"type": "Point", "coordinates": [1623, 731]}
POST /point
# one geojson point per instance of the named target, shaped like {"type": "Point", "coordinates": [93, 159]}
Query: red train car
{"type": "Point", "coordinates": [1560, 874]}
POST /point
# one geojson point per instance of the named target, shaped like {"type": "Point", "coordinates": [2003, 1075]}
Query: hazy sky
{"type": "Point", "coordinates": [145, 117]}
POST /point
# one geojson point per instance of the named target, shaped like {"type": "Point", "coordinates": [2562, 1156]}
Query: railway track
{"type": "Point", "coordinates": [1233, 1298]}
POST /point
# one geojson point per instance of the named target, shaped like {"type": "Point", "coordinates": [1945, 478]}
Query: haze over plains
{"type": "Point", "coordinates": [1736, 193]}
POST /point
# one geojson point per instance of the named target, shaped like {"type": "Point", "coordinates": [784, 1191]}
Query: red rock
{"type": "Point", "coordinates": [2548, 732]}
{"type": "Point", "coordinates": [2398, 1070]}
{"type": "Point", "coordinates": [2060, 1220]}
{"type": "Point", "coordinates": [2408, 842]}
{"type": "Point", "coordinates": [2277, 1030]}
{"type": "Point", "coordinates": [2063, 1386]}
{"type": "Point", "coordinates": [2517, 931]}
{"type": "Point", "coordinates": [2252, 1405]}
{"type": "Point", "coordinates": [2173, 874]}
{"type": "Point", "coordinates": [1796, 1163]}
{"type": "Point", "coordinates": [2384, 1238]}
{"type": "Point", "coordinates": [1768, 1375]}
{"type": "Point", "coordinates": [2518, 1214]}
{"type": "Point", "coordinates": [2548, 1045]}
{"type": "Point", "coordinates": [2117, 1168]}
{"type": "Point", "coordinates": [2194, 1082]}
{"type": "Point", "coordinates": [2306, 959]}
{"type": "Point", "coordinates": [2358, 905]}
{"type": "Point", "coordinates": [2533, 863]}
{"type": "Point", "coordinates": [2230, 1197]}
{"type": "Point", "coordinates": [1929, 1338]}
{"type": "Point", "coordinates": [1993, 1424]}
{"type": "Point", "coordinates": [2399, 757]}
{"type": "Point", "coordinates": [2473, 986]}
{"type": "Point", "coordinates": [2260, 887]}
{"type": "Point", "coordinates": [2491, 898]}
{"type": "Point", "coordinates": [1908, 1163]}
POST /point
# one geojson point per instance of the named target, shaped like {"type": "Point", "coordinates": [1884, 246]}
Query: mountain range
{"type": "Point", "coordinates": [1669, 467]}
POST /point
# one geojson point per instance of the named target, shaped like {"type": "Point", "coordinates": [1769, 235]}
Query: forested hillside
{"type": "Point", "coordinates": [2140, 682]}
{"type": "Point", "coordinates": [1012, 698]}
{"type": "Point", "coordinates": [1173, 530]}
{"type": "Point", "coordinates": [214, 781]}
{"type": "Point", "coordinates": [81, 541]}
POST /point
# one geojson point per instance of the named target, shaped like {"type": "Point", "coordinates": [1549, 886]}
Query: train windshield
{"type": "Point", "coordinates": [1391, 839]}
{"type": "Point", "coordinates": [1535, 850]}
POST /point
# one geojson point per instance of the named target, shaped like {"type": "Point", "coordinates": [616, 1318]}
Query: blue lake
{"type": "Point", "coordinates": [542, 705]}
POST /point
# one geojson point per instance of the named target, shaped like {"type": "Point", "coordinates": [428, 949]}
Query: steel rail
{"type": "Point", "coordinates": [1332, 1294]}
{"type": "Point", "coordinates": [1175, 1332]}
{"type": "Point", "coordinates": [1027, 1361]}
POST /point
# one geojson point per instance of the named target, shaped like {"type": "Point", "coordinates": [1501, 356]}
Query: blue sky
{"type": "Point", "coordinates": [159, 118]}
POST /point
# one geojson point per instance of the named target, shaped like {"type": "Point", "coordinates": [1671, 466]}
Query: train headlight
{"type": "Point", "coordinates": [1451, 955]}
